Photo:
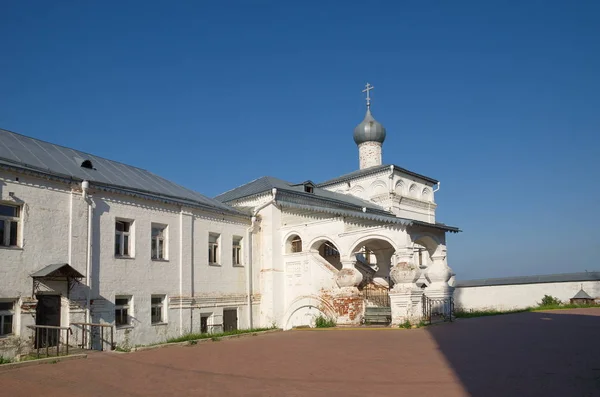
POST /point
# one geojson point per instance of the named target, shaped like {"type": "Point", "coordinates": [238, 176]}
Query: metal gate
{"type": "Point", "coordinates": [437, 309]}
{"type": "Point", "coordinates": [376, 296]}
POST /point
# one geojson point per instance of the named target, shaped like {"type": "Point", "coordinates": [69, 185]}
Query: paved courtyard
{"type": "Point", "coordinates": [528, 354]}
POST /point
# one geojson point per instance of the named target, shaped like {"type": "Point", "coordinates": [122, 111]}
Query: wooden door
{"type": "Point", "coordinates": [47, 312]}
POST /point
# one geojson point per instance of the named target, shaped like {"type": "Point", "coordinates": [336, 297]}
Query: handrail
{"type": "Point", "coordinates": [58, 329]}
{"type": "Point", "coordinates": [94, 324]}
{"type": "Point", "coordinates": [84, 334]}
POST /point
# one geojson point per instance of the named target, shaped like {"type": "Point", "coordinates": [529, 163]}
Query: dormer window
{"type": "Point", "coordinates": [309, 187]}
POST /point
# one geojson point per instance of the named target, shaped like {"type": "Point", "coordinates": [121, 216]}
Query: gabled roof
{"type": "Point", "coordinates": [582, 295]}
{"type": "Point", "coordinates": [321, 201]}
{"type": "Point", "coordinates": [374, 170]}
{"type": "Point", "coordinates": [267, 183]}
{"type": "Point", "coordinates": [36, 155]}
{"type": "Point", "coordinates": [57, 270]}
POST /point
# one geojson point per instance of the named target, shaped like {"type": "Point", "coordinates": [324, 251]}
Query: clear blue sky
{"type": "Point", "coordinates": [497, 99]}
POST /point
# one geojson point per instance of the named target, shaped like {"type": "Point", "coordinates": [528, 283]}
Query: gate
{"type": "Point", "coordinates": [377, 296]}
{"type": "Point", "coordinates": [437, 309]}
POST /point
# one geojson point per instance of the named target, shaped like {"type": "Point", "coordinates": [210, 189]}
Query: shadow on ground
{"type": "Point", "coordinates": [555, 353]}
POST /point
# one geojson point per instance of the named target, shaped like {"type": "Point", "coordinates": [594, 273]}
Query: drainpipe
{"type": "Point", "coordinates": [429, 204]}
{"type": "Point", "coordinates": [85, 185]}
{"type": "Point", "coordinates": [181, 271]}
{"type": "Point", "coordinates": [249, 233]}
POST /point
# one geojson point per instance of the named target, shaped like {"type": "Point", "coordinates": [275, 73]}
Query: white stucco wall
{"type": "Point", "coordinates": [505, 297]}
{"type": "Point", "coordinates": [53, 229]}
{"type": "Point", "coordinates": [405, 195]}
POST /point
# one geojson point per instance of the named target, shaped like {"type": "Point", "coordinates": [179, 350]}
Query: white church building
{"type": "Point", "coordinates": [85, 240]}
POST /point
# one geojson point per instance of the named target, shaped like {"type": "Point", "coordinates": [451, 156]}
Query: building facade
{"type": "Point", "coordinates": [86, 240]}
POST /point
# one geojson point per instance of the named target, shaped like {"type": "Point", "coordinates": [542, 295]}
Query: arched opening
{"type": "Point", "coordinates": [293, 244]}
{"type": "Point", "coordinates": [423, 249]}
{"type": "Point", "coordinates": [328, 251]}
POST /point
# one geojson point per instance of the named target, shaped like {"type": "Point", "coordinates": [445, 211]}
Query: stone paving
{"type": "Point", "coordinates": [528, 354]}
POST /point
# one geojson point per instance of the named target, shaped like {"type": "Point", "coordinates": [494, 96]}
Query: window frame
{"type": "Point", "coordinates": [7, 222]}
{"type": "Point", "coordinates": [7, 313]}
{"type": "Point", "coordinates": [128, 307]}
{"type": "Point", "coordinates": [296, 245]}
{"type": "Point", "coordinates": [214, 250]}
{"type": "Point", "coordinates": [164, 237]}
{"type": "Point", "coordinates": [237, 258]}
{"type": "Point", "coordinates": [160, 305]}
{"type": "Point", "coordinates": [121, 236]}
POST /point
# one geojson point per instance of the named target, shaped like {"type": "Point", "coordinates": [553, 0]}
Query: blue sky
{"type": "Point", "coordinates": [498, 100]}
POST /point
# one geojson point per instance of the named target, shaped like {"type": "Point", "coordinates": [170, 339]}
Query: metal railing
{"type": "Point", "coordinates": [86, 333]}
{"type": "Point", "coordinates": [437, 309]}
{"type": "Point", "coordinates": [48, 336]}
{"type": "Point", "coordinates": [379, 297]}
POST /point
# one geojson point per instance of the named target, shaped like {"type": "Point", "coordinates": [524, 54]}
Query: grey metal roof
{"type": "Point", "coordinates": [371, 171]}
{"type": "Point", "coordinates": [57, 269]}
{"type": "Point", "coordinates": [369, 130]}
{"type": "Point", "coordinates": [582, 295]}
{"type": "Point", "coordinates": [37, 155]}
{"type": "Point", "coordinates": [546, 278]}
{"type": "Point", "coordinates": [321, 200]}
{"type": "Point", "coordinates": [267, 183]}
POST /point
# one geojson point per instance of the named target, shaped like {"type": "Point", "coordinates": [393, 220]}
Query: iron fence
{"type": "Point", "coordinates": [437, 309]}
{"type": "Point", "coordinates": [379, 297]}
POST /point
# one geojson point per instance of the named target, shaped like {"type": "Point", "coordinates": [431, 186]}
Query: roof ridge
{"type": "Point", "coordinates": [76, 150]}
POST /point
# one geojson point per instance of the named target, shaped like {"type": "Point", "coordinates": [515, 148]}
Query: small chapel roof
{"type": "Point", "coordinates": [34, 155]}
{"type": "Point", "coordinates": [582, 295]}
{"type": "Point", "coordinates": [371, 171]}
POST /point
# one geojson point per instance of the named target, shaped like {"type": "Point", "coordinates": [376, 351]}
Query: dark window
{"type": "Point", "coordinates": [157, 309]}
{"type": "Point", "coordinates": [122, 307]}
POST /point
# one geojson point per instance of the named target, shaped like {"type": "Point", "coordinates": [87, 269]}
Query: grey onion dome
{"type": "Point", "coordinates": [369, 130]}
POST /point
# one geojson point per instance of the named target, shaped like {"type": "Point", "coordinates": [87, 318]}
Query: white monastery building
{"type": "Point", "coordinates": [85, 240]}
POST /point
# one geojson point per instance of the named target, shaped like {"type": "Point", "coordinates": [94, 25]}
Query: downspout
{"type": "Point", "coordinates": [85, 185]}
{"type": "Point", "coordinates": [249, 273]}
{"type": "Point", "coordinates": [429, 204]}
{"type": "Point", "coordinates": [181, 271]}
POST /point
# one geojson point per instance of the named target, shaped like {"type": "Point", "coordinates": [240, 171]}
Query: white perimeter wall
{"type": "Point", "coordinates": [519, 296]}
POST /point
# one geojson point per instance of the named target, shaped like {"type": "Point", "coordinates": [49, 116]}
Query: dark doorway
{"type": "Point", "coordinates": [229, 320]}
{"type": "Point", "coordinates": [47, 312]}
{"type": "Point", "coordinates": [204, 325]}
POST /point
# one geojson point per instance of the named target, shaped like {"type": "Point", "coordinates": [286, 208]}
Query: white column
{"type": "Point", "coordinates": [438, 275]}
{"type": "Point", "coordinates": [405, 297]}
{"type": "Point", "coordinates": [347, 300]}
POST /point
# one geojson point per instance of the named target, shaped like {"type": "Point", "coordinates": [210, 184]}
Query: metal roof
{"type": "Point", "coordinates": [547, 278]}
{"type": "Point", "coordinates": [374, 170]}
{"type": "Point", "coordinates": [57, 270]}
{"type": "Point", "coordinates": [37, 155]}
{"type": "Point", "coordinates": [369, 130]}
{"type": "Point", "coordinates": [267, 183]}
{"type": "Point", "coordinates": [582, 295]}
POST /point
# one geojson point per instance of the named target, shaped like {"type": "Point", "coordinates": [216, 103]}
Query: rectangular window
{"type": "Point", "coordinates": [158, 243]}
{"type": "Point", "coordinates": [213, 248]}
{"type": "Point", "coordinates": [204, 324]}
{"type": "Point", "coordinates": [122, 238]}
{"type": "Point", "coordinates": [157, 309]}
{"type": "Point", "coordinates": [123, 311]}
{"type": "Point", "coordinates": [9, 225]}
{"type": "Point", "coordinates": [297, 244]}
{"type": "Point", "coordinates": [237, 250]}
{"type": "Point", "coordinates": [6, 318]}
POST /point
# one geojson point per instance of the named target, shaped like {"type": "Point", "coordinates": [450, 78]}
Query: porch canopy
{"type": "Point", "coordinates": [56, 272]}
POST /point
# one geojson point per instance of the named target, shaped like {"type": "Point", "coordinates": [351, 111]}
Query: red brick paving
{"type": "Point", "coordinates": [525, 354]}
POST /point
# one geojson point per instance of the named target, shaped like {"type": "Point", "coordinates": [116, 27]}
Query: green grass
{"type": "Point", "coordinates": [324, 322]}
{"type": "Point", "coordinates": [4, 360]}
{"type": "Point", "coordinates": [215, 336]}
{"type": "Point", "coordinates": [493, 312]}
